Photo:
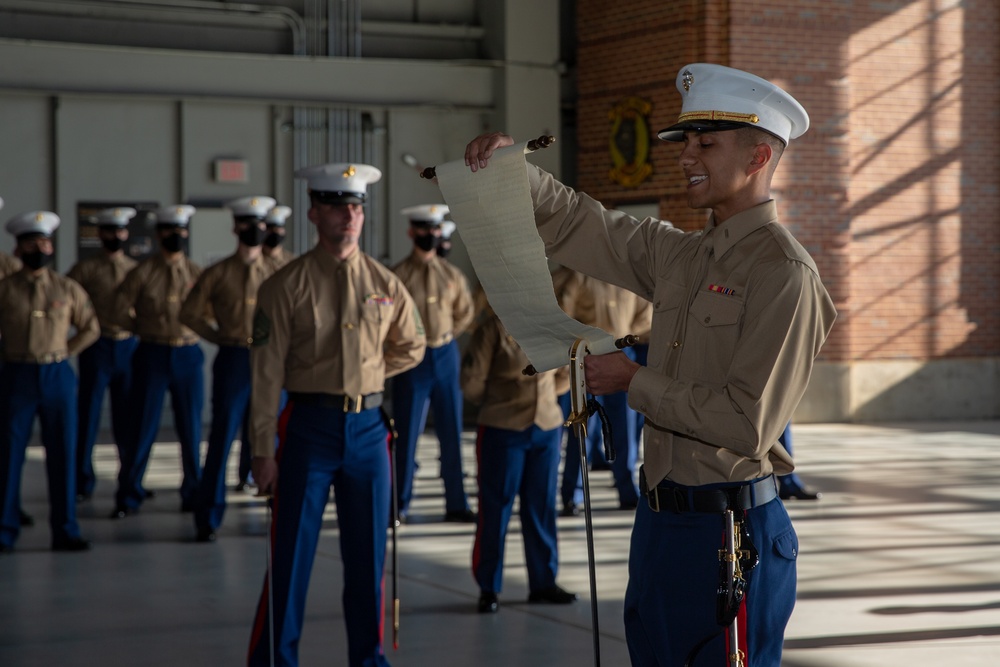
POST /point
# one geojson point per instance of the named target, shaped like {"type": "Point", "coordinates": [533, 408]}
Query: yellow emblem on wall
{"type": "Point", "coordinates": [629, 142]}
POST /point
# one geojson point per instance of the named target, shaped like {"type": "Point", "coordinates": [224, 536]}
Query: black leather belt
{"type": "Point", "coordinates": [675, 498]}
{"type": "Point", "coordinates": [338, 401]}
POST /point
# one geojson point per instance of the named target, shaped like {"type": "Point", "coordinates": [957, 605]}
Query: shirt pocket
{"type": "Point", "coordinates": [668, 297]}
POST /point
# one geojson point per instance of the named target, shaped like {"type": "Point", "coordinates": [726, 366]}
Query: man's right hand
{"type": "Point", "coordinates": [265, 473]}
{"type": "Point", "coordinates": [480, 150]}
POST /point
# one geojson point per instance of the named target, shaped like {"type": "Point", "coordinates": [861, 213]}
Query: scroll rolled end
{"type": "Point", "coordinates": [543, 141]}
{"type": "Point", "coordinates": [529, 370]}
{"type": "Point", "coordinates": [429, 173]}
{"type": "Point", "coordinates": [626, 341]}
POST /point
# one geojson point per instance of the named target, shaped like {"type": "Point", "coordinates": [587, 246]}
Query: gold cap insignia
{"type": "Point", "coordinates": [39, 217]}
{"type": "Point", "coordinates": [350, 172]}
{"type": "Point", "coordinates": [687, 79]}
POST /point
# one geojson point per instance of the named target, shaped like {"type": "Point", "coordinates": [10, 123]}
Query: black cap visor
{"type": "Point", "coordinates": [338, 197]}
{"type": "Point", "coordinates": [676, 132]}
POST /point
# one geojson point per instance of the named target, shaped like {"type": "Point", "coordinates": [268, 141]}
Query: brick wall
{"type": "Point", "coordinates": [895, 189]}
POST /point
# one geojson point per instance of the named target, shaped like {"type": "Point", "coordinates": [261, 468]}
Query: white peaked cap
{"type": "Point", "coordinates": [178, 214]}
{"type": "Point", "coordinates": [117, 216]}
{"type": "Point", "coordinates": [33, 222]}
{"type": "Point", "coordinates": [719, 98]}
{"type": "Point", "coordinates": [252, 207]}
{"type": "Point", "coordinates": [278, 215]}
{"type": "Point", "coordinates": [341, 182]}
{"type": "Point", "coordinates": [428, 214]}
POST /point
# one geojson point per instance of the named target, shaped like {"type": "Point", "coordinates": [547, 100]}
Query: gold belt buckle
{"type": "Point", "coordinates": [357, 404]}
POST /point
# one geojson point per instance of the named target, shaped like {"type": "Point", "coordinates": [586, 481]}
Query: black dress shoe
{"type": "Point", "coordinates": [488, 603]}
{"type": "Point", "coordinates": [553, 595]}
{"type": "Point", "coordinates": [570, 509]}
{"type": "Point", "coordinates": [121, 511]}
{"type": "Point", "coordinates": [71, 544]}
{"type": "Point", "coordinates": [240, 486]}
{"type": "Point", "coordinates": [26, 519]}
{"type": "Point", "coordinates": [461, 516]}
{"type": "Point", "coordinates": [799, 493]}
{"type": "Point", "coordinates": [205, 535]}
{"type": "Point", "coordinates": [148, 494]}
{"type": "Point", "coordinates": [400, 519]}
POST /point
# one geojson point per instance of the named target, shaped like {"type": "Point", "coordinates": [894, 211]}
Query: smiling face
{"type": "Point", "coordinates": [725, 172]}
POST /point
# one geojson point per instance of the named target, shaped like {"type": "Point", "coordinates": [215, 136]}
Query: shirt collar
{"type": "Point", "coordinates": [735, 229]}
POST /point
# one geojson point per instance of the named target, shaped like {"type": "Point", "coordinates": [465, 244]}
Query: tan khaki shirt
{"type": "Point", "coordinates": [492, 378]}
{"type": "Point", "coordinates": [150, 299]}
{"type": "Point", "coordinates": [442, 295]}
{"type": "Point", "coordinates": [101, 275]}
{"type": "Point", "coordinates": [599, 304]}
{"type": "Point", "coordinates": [36, 313]}
{"type": "Point", "coordinates": [8, 265]}
{"type": "Point", "coordinates": [279, 257]}
{"type": "Point", "coordinates": [739, 315]}
{"type": "Point", "coordinates": [221, 305]}
{"type": "Point", "coordinates": [328, 326]}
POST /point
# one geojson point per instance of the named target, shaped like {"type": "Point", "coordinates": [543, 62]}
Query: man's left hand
{"type": "Point", "coordinates": [609, 373]}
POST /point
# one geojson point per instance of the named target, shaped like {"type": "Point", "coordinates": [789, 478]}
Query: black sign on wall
{"type": "Point", "coordinates": [141, 240]}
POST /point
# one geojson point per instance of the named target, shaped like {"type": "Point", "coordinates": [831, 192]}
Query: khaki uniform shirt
{"type": "Point", "coordinates": [599, 304]}
{"type": "Point", "coordinates": [279, 257]}
{"type": "Point", "coordinates": [221, 305]}
{"type": "Point", "coordinates": [8, 265]}
{"type": "Point", "coordinates": [101, 275]}
{"type": "Point", "coordinates": [328, 326]}
{"type": "Point", "coordinates": [442, 295]}
{"type": "Point", "coordinates": [491, 377]}
{"type": "Point", "coordinates": [739, 315]}
{"type": "Point", "coordinates": [150, 299]}
{"type": "Point", "coordinates": [36, 313]}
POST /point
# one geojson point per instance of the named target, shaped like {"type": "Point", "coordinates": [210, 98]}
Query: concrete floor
{"type": "Point", "coordinates": [898, 566]}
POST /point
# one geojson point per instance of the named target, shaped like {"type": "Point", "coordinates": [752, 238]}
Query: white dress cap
{"type": "Point", "coordinates": [277, 216]}
{"type": "Point", "coordinates": [178, 214]}
{"type": "Point", "coordinates": [340, 183]}
{"type": "Point", "coordinates": [426, 215]}
{"type": "Point", "coordinates": [33, 222]}
{"type": "Point", "coordinates": [117, 216]}
{"type": "Point", "coordinates": [447, 229]}
{"type": "Point", "coordinates": [251, 207]}
{"type": "Point", "coordinates": [717, 98]}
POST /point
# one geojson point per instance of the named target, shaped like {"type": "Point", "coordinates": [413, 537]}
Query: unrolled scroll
{"type": "Point", "coordinates": [492, 208]}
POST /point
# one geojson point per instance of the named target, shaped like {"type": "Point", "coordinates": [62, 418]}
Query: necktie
{"type": "Point", "coordinates": [350, 334]}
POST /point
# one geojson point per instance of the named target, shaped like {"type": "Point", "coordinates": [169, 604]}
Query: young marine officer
{"type": "Point", "coordinates": [442, 295]}
{"type": "Point", "coordinates": [330, 327]}
{"type": "Point", "coordinates": [220, 309]}
{"type": "Point", "coordinates": [168, 357]}
{"type": "Point", "coordinates": [518, 455]}
{"type": "Point", "coordinates": [277, 256]}
{"type": "Point", "coordinates": [739, 316]}
{"type": "Point", "coordinates": [37, 309]}
{"type": "Point", "coordinates": [107, 364]}
{"type": "Point", "coordinates": [619, 312]}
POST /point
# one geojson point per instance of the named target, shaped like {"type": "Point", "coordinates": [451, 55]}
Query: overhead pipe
{"type": "Point", "coordinates": [177, 11]}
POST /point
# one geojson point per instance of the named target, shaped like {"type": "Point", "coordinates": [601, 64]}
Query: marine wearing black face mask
{"type": "Point", "coordinates": [36, 259]}
{"type": "Point", "coordinates": [173, 242]}
{"type": "Point", "coordinates": [427, 242]}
